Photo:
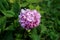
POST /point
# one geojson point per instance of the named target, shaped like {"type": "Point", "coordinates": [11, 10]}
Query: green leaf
{"type": "Point", "coordinates": [11, 1]}
{"type": "Point", "coordinates": [34, 1]}
{"type": "Point", "coordinates": [4, 5]}
{"type": "Point", "coordinates": [53, 35]}
{"type": "Point", "coordinates": [2, 23]}
{"type": "Point", "coordinates": [13, 25]}
{"type": "Point", "coordinates": [43, 28]}
{"type": "Point", "coordinates": [38, 7]}
{"type": "Point", "coordinates": [8, 13]}
{"type": "Point", "coordinates": [16, 7]}
{"type": "Point", "coordinates": [18, 36]}
{"type": "Point", "coordinates": [34, 35]}
{"type": "Point", "coordinates": [1, 6]}
{"type": "Point", "coordinates": [31, 6]}
{"type": "Point", "coordinates": [16, 23]}
{"type": "Point", "coordinates": [23, 4]}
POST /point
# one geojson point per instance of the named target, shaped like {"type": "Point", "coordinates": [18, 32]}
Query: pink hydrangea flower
{"type": "Point", "coordinates": [29, 18]}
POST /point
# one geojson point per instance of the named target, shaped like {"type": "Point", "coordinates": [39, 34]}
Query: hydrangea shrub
{"type": "Point", "coordinates": [29, 18]}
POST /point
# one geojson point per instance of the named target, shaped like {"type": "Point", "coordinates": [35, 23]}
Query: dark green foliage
{"type": "Point", "coordinates": [49, 28]}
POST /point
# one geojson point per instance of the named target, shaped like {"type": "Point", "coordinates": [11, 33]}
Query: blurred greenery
{"type": "Point", "coordinates": [49, 28]}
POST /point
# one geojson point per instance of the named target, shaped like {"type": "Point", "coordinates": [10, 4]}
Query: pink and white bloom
{"type": "Point", "coordinates": [29, 18]}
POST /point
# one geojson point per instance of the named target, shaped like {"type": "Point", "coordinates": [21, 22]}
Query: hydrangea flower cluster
{"type": "Point", "coordinates": [29, 18]}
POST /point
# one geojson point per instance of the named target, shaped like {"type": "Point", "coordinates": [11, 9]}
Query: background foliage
{"type": "Point", "coordinates": [49, 28]}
